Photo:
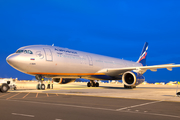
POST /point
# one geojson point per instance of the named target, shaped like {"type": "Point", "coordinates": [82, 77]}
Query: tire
{"type": "Point", "coordinates": [88, 84]}
{"type": "Point", "coordinates": [38, 86]}
{"type": "Point", "coordinates": [15, 88]}
{"type": "Point", "coordinates": [93, 84]}
{"type": "Point", "coordinates": [4, 88]}
{"type": "Point", "coordinates": [97, 84]}
{"type": "Point", "coordinates": [42, 87]}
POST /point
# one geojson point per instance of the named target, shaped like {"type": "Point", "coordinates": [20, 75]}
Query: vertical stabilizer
{"type": "Point", "coordinates": [143, 56]}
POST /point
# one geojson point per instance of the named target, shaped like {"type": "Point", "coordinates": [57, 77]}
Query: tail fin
{"type": "Point", "coordinates": [142, 58]}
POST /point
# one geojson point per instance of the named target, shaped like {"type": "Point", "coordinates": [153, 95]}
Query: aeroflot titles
{"type": "Point", "coordinates": [67, 51]}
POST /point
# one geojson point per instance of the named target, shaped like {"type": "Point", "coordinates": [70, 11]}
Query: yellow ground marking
{"type": "Point", "coordinates": [26, 95]}
{"type": "Point", "coordinates": [12, 96]}
{"type": "Point", "coordinates": [5, 94]}
{"type": "Point", "coordinates": [104, 96]}
{"type": "Point", "coordinates": [36, 95]}
{"type": "Point", "coordinates": [47, 94]}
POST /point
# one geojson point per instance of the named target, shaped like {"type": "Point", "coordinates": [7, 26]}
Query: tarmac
{"type": "Point", "coordinates": [76, 101]}
{"type": "Point", "coordinates": [113, 90]}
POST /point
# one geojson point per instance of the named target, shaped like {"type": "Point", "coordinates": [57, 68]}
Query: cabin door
{"type": "Point", "coordinates": [48, 54]}
{"type": "Point", "coordinates": [90, 60]}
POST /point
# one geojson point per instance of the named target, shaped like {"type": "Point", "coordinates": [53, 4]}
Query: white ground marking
{"type": "Point", "coordinates": [23, 115]}
{"type": "Point", "coordinates": [138, 105]}
{"type": "Point", "coordinates": [57, 104]}
{"type": "Point", "coordinates": [58, 119]}
{"type": "Point", "coordinates": [156, 114]}
{"type": "Point", "coordinates": [163, 115]}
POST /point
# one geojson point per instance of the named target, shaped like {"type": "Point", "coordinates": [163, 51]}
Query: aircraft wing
{"type": "Point", "coordinates": [139, 69]}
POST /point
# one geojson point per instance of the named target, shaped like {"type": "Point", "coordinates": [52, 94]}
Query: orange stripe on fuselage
{"type": "Point", "coordinates": [65, 73]}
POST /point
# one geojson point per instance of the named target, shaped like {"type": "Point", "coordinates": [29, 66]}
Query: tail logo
{"type": "Point", "coordinates": [143, 56]}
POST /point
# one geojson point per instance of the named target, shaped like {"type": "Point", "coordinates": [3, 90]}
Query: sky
{"type": "Point", "coordinates": [116, 28]}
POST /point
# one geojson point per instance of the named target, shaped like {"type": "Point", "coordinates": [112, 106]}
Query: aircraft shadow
{"type": "Point", "coordinates": [108, 87]}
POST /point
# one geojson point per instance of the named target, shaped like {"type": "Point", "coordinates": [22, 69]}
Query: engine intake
{"type": "Point", "coordinates": [132, 78]}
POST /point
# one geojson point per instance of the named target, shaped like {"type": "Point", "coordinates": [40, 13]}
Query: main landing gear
{"type": "Point", "coordinates": [40, 79]}
{"type": "Point", "coordinates": [92, 84]}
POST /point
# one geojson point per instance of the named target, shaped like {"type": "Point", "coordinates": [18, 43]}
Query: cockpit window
{"type": "Point", "coordinates": [24, 51]}
{"type": "Point", "coordinates": [19, 51]}
{"type": "Point", "coordinates": [30, 52]}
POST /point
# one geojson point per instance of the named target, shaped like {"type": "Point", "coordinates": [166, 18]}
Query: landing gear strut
{"type": "Point", "coordinates": [40, 86]}
{"type": "Point", "coordinates": [92, 84]}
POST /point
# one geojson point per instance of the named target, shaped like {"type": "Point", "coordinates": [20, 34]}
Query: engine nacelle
{"type": "Point", "coordinates": [132, 78]}
{"type": "Point", "coordinates": [63, 80]}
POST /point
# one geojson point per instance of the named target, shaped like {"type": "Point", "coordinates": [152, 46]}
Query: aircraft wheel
{"type": "Point", "coordinates": [88, 84]}
{"type": "Point", "coordinates": [4, 88]}
{"type": "Point", "coordinates": [42, 87]}
{"type": "Point", "coordinates": [38, 86]}
{"type": "Point", "coordinates": [93, 84]}
{"type": "Point", "coordinates": [97, 84]}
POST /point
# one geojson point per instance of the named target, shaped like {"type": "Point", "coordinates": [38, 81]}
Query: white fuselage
{"type": "Point", "coordinates": [52, 61]}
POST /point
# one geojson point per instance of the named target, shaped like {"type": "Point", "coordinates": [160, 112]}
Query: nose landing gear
{"type": "Point", "coordinates": [40, 86]}
{"type": "Point", "coordinates": [92, 84]}
{"type": "Point", "coordinates": [40, 79]}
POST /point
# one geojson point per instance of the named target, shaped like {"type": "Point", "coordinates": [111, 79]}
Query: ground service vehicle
{"type": "Point", "coordinates": [6, 84]}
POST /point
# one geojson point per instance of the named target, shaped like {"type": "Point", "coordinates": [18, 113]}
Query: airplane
{"type": "Point", "coordinates": [65, 65]}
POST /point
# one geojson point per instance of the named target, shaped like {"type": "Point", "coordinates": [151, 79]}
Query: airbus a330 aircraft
{"type": "Point", "coordinates": [64, 65]}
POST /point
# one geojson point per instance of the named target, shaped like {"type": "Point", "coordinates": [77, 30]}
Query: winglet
{"type": "Point", "coordinates": [142, 58]}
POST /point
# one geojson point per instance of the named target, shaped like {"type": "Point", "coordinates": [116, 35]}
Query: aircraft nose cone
{"type": "Point", "coordinates": [11, 59]}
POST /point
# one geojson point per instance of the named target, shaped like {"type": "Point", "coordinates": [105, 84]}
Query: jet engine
{"type": "Point", "coordinates": [132, 79]}
{"type": "Point", "coordinates": [63, 80]}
